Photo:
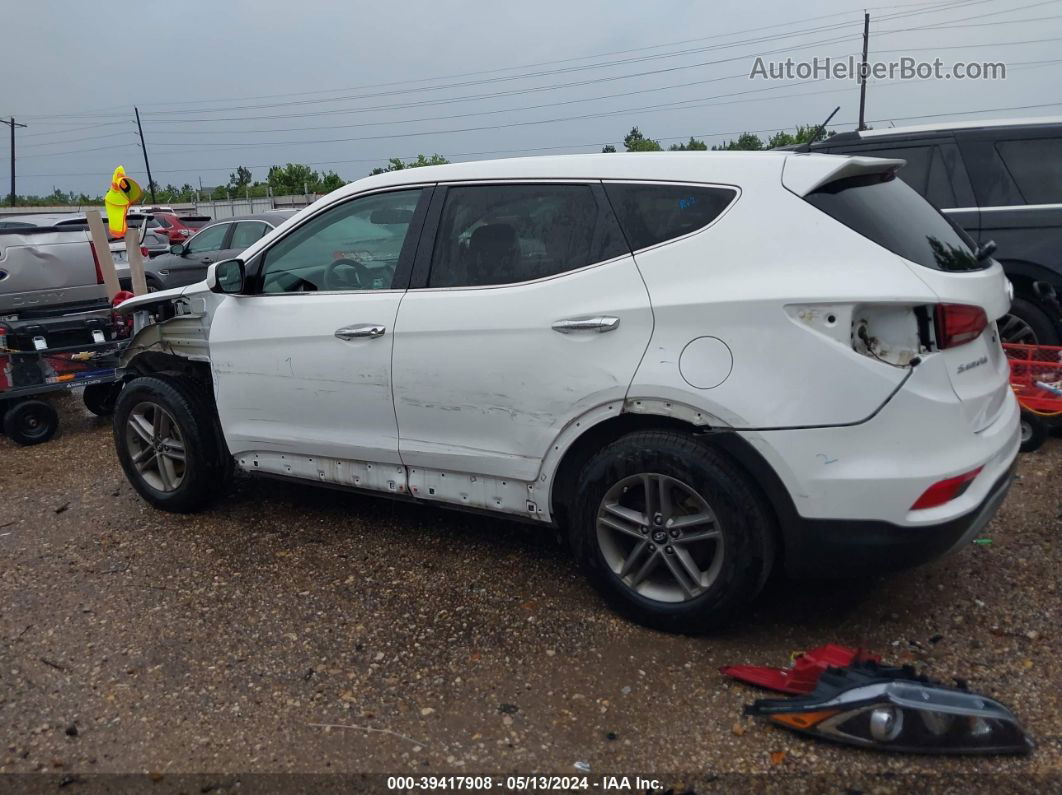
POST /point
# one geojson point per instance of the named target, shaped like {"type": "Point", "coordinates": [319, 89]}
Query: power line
{"type": "Point", "coordinates": [701, 136]}
{"type": "Point", "coordinates": [156, 115]}
{"type": "Point", "coordinates": [922, 8]}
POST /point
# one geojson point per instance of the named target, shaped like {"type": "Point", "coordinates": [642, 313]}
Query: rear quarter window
{"type": "Point", "coordinates": [650, 214]}
{"type": "Point", "coordinates": [890, 212]}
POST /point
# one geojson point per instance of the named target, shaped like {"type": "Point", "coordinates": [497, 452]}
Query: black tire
{"type": "Point", "coordinates": [100, 398]}
{"type": "Point", "coordinates": [31, 422]}
{"type": "Point", "coordinates": [1028, 323]}
{"type": "Point", "coordinates": [743, 519]}
{"type": "Point", "coordinates": [1033, 432]}
{"type": "Point", "coordinates": [205, 465]}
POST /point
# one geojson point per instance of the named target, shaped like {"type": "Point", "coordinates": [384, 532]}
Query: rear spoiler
{"type": "Point", "coordinates": [805, 173]}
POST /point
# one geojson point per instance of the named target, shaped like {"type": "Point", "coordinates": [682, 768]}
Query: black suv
{"type": "Point", "coordinates": [998, 180]}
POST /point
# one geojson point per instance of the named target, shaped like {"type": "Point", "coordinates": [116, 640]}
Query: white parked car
{"type": "Point", "coordinates": [699, 365]}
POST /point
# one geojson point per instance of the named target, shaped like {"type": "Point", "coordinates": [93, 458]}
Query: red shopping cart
{"type": "Point", "coordinates": [1036, 378]}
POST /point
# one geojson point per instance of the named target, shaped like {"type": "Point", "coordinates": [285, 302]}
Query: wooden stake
{"type": "Point", "coordinates": [136, 261]}
{"type": "Point", "coordinates": [101, 242]}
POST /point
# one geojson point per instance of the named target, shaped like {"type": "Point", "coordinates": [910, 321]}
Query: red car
{"type": "Point", "coordinates": [179, 228]}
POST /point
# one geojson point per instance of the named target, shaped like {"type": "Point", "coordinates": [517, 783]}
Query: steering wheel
{"type": "Point", "coordinates": [346, 274]}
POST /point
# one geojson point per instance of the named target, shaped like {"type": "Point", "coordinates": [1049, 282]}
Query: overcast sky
{"type": "Point", "coordinates": [401, 78]}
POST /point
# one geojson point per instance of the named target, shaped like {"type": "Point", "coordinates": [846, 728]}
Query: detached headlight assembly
{"type": "Point", "coordinates": [892, 710]}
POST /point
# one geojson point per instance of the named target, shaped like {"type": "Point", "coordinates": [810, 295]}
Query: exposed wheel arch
{"type": "Point", "coordinates": [596, 436]}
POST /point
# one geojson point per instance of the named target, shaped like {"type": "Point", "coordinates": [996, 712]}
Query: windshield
{"type": "Point", "coordinates": [892, 214]}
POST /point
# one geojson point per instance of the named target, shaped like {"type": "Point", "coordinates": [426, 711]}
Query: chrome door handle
{"type": "Point", "coordinates": [370, 330]}
{"type": "Point", "coordinates": [599, 324]}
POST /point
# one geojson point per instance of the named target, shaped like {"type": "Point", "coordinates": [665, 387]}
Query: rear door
{"type": "Point", "coordinates": [527, 312]}
{"type": "Point", "coordinates": [1018, 179]}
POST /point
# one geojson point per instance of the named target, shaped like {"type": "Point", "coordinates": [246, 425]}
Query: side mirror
{"type": "Point", "coordinates": [226, 277]}
{"type": "Point", "coordinates": [178, 249]}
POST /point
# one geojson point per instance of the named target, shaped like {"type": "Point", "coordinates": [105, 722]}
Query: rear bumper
{"type": "Point", "coordinates": [845, 548]}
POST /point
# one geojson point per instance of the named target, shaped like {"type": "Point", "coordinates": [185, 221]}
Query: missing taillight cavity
{"type": "Point", "coordinates": [945, 490]}
{"type": "Point", "coordinates": [957, 324]}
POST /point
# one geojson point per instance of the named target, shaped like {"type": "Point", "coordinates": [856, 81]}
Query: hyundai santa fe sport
{"type": "Point", "coordinates": [699, 367]}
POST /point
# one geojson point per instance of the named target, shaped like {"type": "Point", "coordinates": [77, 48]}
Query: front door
{"type": "Point", "coordinates": [533, 314]}
{"type": "Point", "coordinates": [302, 361]}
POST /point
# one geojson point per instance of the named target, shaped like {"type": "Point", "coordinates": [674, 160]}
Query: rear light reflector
{"type": "Point", "coordinates": [945, 490]}
{"type": "Point", "coordinates": [957, 324]}
{"type": "Point", "coordinates": [143, 251]}
{"type": "Point", "coordinates": [96, 263]}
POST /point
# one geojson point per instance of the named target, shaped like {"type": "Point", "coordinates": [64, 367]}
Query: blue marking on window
{"type": "Point", "coordinates": [689, 201]}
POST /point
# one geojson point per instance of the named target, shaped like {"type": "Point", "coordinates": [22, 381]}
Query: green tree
{"type": "Point", "coordinates": [746, 142]}
{"type": "Point", "coordinates": [292, 178]}
{"type": "Point", "coordinates": [803, 134]}
{"type": "Point", "coordinates": [330, 182]}
{"type": "Point", "coordinates": [396, 163]}
{"type": "Point", "coordinates": [240, 180]}
{"type": "Point", "coordinates": [693, 145]}
{"type": "Point", "coordinates": [636, 142]}
{"type": "Point", "coordinates": [608, 148]}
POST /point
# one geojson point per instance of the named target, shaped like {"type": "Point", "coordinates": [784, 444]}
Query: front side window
{"type": "Point", "coordinates": [505, 234]}
{"type": "Point", "coordinates": [889, 212]}
{"type": "Point", "coordinates": [210, 239]}
{"type": "Point", "coordinates": [651, 214]}
{"type": "Point", "coordinates": [246, 233]}
{"type": "Point", "coordinates": [354, 246]}
{"type": "Point", "coordinates": [1036, 166]}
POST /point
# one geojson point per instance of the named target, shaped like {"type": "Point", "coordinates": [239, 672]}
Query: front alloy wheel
{"type": "Point", "coordinates": [660, 537]}
{"type": "Point", "coordinates": [156, 446]}
{"type": "Point", "coordinates": [168, 443]}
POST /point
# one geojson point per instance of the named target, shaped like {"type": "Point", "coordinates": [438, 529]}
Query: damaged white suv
{"type": "Point", "coordinates": [699, 366]}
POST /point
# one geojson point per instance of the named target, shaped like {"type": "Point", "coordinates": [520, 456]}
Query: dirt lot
{"type": "Point", "coordinates": [247, 638]}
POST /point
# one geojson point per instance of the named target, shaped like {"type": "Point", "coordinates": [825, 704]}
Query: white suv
{"type": "Point", "coordinates": [698, 365]}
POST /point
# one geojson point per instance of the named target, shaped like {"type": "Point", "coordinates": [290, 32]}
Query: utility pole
{"type": "Point", "coordinates": [863, 72]}
{"type": "Point", "coordinates": [147, 165]}
{"type": "Point", "coordinates": [12, 125]}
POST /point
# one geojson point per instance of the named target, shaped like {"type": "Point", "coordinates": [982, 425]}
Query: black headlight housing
{"type": "Point", "coordinates": [892, 709]}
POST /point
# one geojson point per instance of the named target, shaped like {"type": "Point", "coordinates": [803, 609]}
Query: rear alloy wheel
{"type": "Point", "coordinates": [1027, 324]}
{"type": "Point", "coordinates": [671, 531]}
{"type": "Point", "coordinates": [660, 537]}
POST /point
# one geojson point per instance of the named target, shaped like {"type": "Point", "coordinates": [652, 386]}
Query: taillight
{"type": "Point", "coordinates": [96, 264]}
{"type": "Point", "coordinates": [945, 490]}
{"type": "Point", "coordinates": [957, 324]}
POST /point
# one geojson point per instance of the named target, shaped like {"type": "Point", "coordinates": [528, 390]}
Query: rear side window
{"type": "Point", "coordinates": [889, 212]}
{"type": "Point", "coordinates": [1036, 166]}
{"type": "Point", "coordinates": [246, 233]}
{"type": "Point", "coordinates": [651, 214]}
{"type": "Point", "coordinates": [916, 172]}
{"type": "Point", "coordinates": [506, 234]}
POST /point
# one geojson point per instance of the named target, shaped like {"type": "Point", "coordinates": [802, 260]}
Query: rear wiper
{"type": "Point", "coordinates": [985, 250]}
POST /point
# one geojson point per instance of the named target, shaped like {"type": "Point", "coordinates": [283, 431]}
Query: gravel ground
{"type": "Point", "coordinates": [297, 629]}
